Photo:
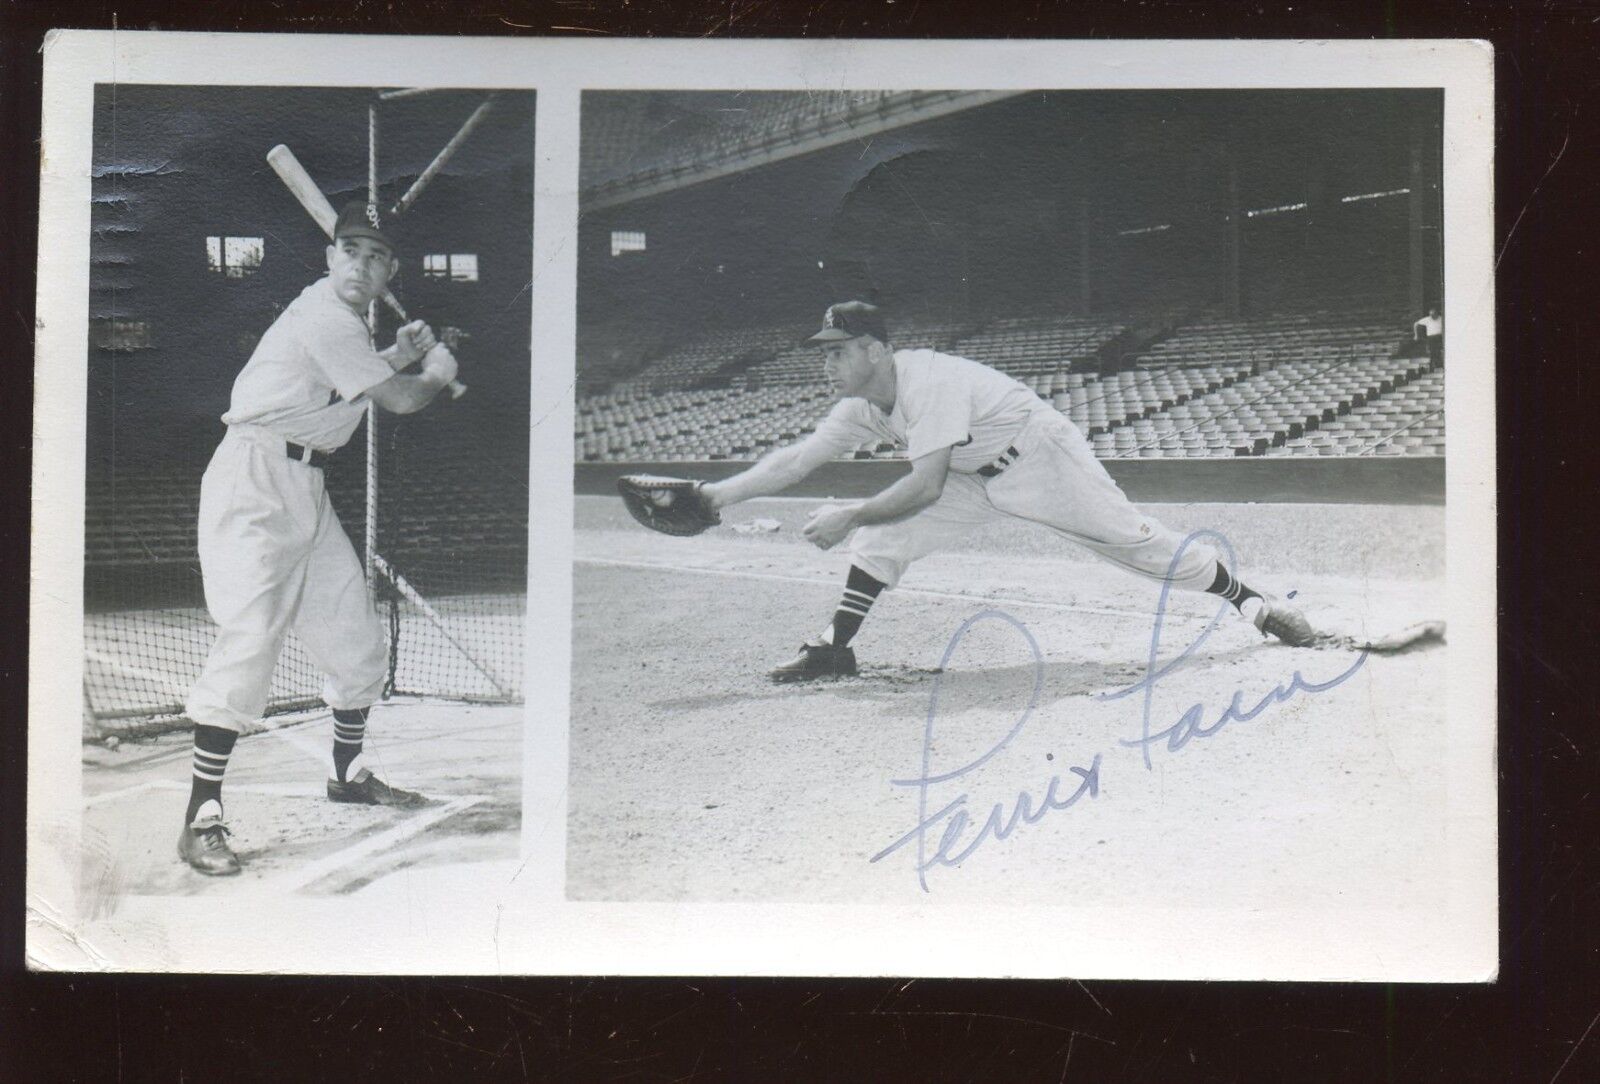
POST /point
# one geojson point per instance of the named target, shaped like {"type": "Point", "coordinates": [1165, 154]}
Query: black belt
{"type": "Point", "coordinates": [1005, 459]}
{"type": "Point", "coordinates": [309, 456]}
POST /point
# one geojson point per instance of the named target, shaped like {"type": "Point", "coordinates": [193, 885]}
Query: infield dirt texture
{"type": "Point", "coordinates": [694, 778]}
{"type": "Point", "coordinates": [465, 758]}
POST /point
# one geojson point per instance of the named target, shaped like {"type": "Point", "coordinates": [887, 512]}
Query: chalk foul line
{"type": "Point", "coordinates": [302, 877]}
{"type": "Point", "coordinates": [920, 592]}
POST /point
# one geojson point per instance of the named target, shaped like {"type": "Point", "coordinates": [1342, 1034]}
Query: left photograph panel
{"type": "Point", "coordinates": [306, 505]}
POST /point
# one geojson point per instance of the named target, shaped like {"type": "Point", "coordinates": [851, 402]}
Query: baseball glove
{"type": "Point", "coordinates": [672, 506]}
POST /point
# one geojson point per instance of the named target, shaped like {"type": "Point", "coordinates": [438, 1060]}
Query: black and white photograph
{"type": "Point", "coordinates": [306, 487]}
{"type": "Point", "coordinates": [951, 509]}
{"type": "Point", "coordinates": [1000, 497]}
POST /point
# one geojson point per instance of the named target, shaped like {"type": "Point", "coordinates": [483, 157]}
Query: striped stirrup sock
{"type": "Point", "coordinates": [860, 592]}
{"type": "Point", "coordinates": [1231, 589]}
{"type": "Point", "coordinates": [212, 747]}
{"type": "Point", "coordinates": [349, 729]}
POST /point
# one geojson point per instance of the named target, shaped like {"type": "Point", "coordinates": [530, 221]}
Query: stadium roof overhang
{"type": "Point", "coordinates": [909, 108]}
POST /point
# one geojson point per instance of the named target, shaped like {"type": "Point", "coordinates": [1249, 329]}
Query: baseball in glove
{"type": "Point", "coordinates": [672, 506]}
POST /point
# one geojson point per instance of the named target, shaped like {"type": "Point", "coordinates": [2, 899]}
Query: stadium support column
{"type": "Point", "coordinates": [1232, 239]}
{"type": "Point", "coordinates": [1416, 224]}
{"type": "Point", "coordinates": [1085, 254]}
{"type": "Point", "coordinates": [1312, 279]}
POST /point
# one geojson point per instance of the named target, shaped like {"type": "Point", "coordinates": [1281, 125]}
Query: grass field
{"type": "Point", "coordinates": [693, 778]}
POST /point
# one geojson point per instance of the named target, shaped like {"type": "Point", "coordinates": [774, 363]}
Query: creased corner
{"type": "Point", "coordinates": [53, 944]}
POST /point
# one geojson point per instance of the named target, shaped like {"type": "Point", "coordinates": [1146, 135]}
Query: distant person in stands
{"type": "Point", "coordinates": [273, 554]}
{"type": "Point", "coordinates": [983, 448]}
{"type": "Point", "coordinates": [1430, 330]}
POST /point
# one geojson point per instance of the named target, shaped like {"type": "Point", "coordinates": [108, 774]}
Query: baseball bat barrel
{"type": "Point", "coordinates": [443, 156]}
{"type": "Point", "coordinates": [305, 190]}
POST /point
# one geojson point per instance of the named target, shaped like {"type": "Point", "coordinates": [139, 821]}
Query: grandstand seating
{"type": "Point", "coordinates": [609, 352]}
{"type": "Point", "coordinates": [1408, 422]}
{"type": "Point", "coordinates": [697, 359]}
{"type": "Point", "coordinates": [1302, 384]}
{"type": "Point", "coordinates": [1261, 411]}
{"type": "Point", "coordinates": [143, 516]}
{"type": "Point", "coordinates": [1028, 345]}
{"type": "Point", "coordinates": [724, 423]}
{"type": "Point", "coordinates": [149, 518]}
{"type": "Point", "coordinates": [1277, 338]}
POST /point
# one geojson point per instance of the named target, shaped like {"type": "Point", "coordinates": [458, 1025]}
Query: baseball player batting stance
{"type": "Point", "coordinates": [272, 552]}
{"type": "Point", "coordinates": [981, 446]}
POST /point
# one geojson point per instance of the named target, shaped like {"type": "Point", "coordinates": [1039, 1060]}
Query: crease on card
{"type": "Point", "coordinates": [82, 939]}
{"type": "Point", "coordinates": [55, 945]}
{"type": "Point", "coordinates": [55, 939]}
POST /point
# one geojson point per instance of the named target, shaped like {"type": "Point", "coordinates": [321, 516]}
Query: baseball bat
{"type": "Point", "coordinates": [304, 189]}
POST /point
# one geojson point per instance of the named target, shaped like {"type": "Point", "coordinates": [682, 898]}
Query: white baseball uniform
{"type": "Point", "coordinates": [272, 552]}
{"type": "Point", "coordinates": [1043, 470]}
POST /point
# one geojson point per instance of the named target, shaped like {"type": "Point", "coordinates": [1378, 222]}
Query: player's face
{"type": "Point", "coordinates": [848, 365]}
{"type": "Point", "coordinates": [360, 268]}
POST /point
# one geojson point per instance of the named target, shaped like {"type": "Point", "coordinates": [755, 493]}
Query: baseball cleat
{"type": "Point", "coordinates": [1288, 624]}
{"type": "Point", "coordinates": [368, 789]}
{"type": "Point", "coordinates": [204, 845]}
{"type": "Point", "coordinates": [817, 661]}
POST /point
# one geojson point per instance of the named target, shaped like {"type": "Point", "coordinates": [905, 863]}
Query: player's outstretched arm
{"type": "Point", "coordinates": [406, 393]}
{"type": "Point", "coordinates": [908, 495]}
{"type": "Point", "coordinates": [773, 473]}
{"type": "Point", "coordinates": [911, 493]}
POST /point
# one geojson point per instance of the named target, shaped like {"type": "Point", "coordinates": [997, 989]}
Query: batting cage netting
{"type": "Point", "coordinates": [435, 502]}
{"type": "Point", "coordinates": [451, 523]}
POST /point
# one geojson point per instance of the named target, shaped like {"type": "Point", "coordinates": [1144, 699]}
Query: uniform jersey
{"type": "Point", "coordinates": [940, 401]}
{"type": "Point", "coordinates": [305, 378]}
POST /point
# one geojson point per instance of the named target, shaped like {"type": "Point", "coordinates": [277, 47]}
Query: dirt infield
{"type": "Point", "coordinates": [291, 839]}
{"type": "Point", "coordinates": [693, 778]}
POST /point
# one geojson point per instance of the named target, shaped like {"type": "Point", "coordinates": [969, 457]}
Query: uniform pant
{"type": "Point", "coordinates": [1055, 480]}
{"type": "Point", "coordinates": [274, 557]}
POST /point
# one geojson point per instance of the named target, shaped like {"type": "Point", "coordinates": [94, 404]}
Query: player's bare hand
{"type": "Point", "coordinates": [439, 364]}
{"type": "Point", "coordinates": [828, 525]}
{"type": "Point", "coordinates": [414, 340]}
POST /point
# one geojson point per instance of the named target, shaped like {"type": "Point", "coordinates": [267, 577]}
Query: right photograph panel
{"type": "Point", "coordinates": [990, 497]}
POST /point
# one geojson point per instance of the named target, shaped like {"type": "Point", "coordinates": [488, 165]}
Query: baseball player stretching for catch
{"type": "Point", "coordinates": [981, 446]}
{"type": "Point", "coordinates": [272, 553]}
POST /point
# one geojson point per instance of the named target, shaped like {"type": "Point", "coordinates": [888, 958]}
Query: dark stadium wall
{"type": "Point", "coordinates": [174, 165]}
{"type": "Point", "coordinates": [755, 247]}
{"type": "Point", "coordinates": [922, 219]}
{"type": "Point", "coordinates": [1400, 480]}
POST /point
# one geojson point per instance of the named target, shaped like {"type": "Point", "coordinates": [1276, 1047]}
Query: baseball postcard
{"type": "Point", "coordinates": [970, 509]}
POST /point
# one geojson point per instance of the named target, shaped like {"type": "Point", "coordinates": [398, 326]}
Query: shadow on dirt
{"type": "Point", "coordinates": [901, 691]}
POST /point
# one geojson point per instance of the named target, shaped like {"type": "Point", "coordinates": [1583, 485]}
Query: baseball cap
{"type": "Point", "coordinates": [354, 222]}
{"type": "Point", "coordinates": [850, 319]}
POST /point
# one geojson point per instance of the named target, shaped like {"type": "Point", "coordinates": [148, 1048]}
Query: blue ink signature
{"type": "Point", "coordinates": [1190, 724]}
{"type": "Point", "coordinates": [1000, 823]}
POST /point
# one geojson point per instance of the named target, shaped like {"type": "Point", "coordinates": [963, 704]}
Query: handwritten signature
{"type": "Point", "coordinates": [953, 822]}
{"type": "Point", "coordinates": [999, 823]}
{"type": "Point", "coordinates": [1190, 725]}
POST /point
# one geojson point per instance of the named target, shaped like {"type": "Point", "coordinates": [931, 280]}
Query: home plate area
{"type": "Point", "coordinates": [289, 837]}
